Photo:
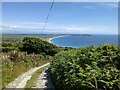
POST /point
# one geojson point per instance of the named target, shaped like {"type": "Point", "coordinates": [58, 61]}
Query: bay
{"type": "Point", "coordinates": [79, 41]}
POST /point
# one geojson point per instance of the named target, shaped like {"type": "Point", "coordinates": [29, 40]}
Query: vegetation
{"type": "Point", "coordinates": [32, 82]}
{"type": "Point", "coordinates": [36, 45]}
{"type": "Point", "coordinates": [15, 62]}
{"type": "Point", "coordinates": [87, 68]}
{"type": "Point", "coordinates": [19, 37]}
{"type": "Point", "coordinates": [6, 47]}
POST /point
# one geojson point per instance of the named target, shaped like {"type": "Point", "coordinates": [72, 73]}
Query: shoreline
{"type": "Point", "coordinates": [49, 39]}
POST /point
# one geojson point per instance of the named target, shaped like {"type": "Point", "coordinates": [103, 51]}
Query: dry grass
{"type": "Point", "coordinates": [16, 63]}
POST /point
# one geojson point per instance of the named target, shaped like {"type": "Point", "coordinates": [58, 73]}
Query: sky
{"type": "Point", "coordinates": [65, 18]}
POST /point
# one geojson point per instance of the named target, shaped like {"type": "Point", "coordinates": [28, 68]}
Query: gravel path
{"type": "Point", "coordinates": [44, 81]}
{"type": "Point", "coordinates": [20, 82]}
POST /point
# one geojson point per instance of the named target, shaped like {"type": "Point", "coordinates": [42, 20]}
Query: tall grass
{"type": "Point", "coordinates": [15, 63]}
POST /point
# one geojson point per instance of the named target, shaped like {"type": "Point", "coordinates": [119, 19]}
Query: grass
{"type": "Point", "coordinates": [0, 75]}
{"type": "Point", "coordinates": [19, 37]}
{"type": "Point", "coordinates": [16, 63]}
{"type": "Point", "coordinates": [32, 82]}
{"type": "Point", "coordinates": [10, 75]}
{"type": "Point", "coordinates": [12, 69]}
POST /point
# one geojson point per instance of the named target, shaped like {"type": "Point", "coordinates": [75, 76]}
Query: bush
{"type": "Point", "coordinates": [36, 45]}
{"type": "Point", "coordinates": [7, 44]}
{"type": "Point", "coordinates": [7, 49]}
{"type": "Point", "coordinates": [87, 68]}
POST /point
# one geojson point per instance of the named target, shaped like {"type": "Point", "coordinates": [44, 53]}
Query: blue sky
{"type": "Point", "coordinates": [71, 18]}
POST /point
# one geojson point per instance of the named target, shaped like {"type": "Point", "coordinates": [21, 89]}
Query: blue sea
{"type": "Point", "coordinates": [79, 41]}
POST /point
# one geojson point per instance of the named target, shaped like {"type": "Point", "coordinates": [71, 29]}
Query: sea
{"type": "Point", "coordinates": [80, 41]}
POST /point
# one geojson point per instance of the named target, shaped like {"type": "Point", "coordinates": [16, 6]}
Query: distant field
{"type": "Point", "coordinates": [19, 37]}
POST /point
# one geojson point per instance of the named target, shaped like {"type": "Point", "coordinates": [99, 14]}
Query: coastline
{"type": "Point", "coordinates": [49, 39]}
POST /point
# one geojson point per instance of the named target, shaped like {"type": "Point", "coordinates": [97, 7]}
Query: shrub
{"type": "Point", "coordinates": [36, 45]}
{"type": "Point", "coordinates": [7, 44]}
{"type": "Point", "coordinates": [87, 68]}
{"type": "Point", "coordinates": [7, 49]}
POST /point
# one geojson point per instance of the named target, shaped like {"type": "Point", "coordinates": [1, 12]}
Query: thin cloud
{"type": "Point", "coordinates": [13, 27]}
{"type": "Point", "coordinates": [115, 5]}
{"type": "Point", "coordinates": [105, 5]}
{"type": "Point", "coordinates": [61, 29]}
{"type": "Point", "coordinates": [35, 23]}
{"type": "Point", "coordinates": [108, 5]}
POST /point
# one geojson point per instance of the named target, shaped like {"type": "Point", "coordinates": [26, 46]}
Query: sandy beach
{"type": "Point", "coordinates": [49, 39]}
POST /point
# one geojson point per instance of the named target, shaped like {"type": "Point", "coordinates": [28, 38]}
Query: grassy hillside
{"type": "Point", "coordinates": [19, 37]}
{"type": "Point", "coordinates": [18, 58]}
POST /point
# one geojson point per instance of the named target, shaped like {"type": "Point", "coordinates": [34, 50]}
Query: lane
{"type": "Point", "coordinates": [44, 81]}
{"type": "Point", "coordinates": [20, 82]}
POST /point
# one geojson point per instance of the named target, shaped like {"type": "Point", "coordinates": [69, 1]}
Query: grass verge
{"type": "Point", "coordinates": [32, 82]}
{"type": "Point", "coordinates": [20, 63]}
